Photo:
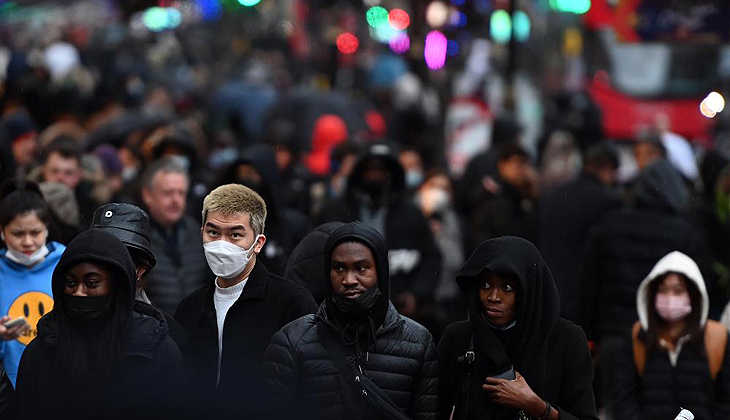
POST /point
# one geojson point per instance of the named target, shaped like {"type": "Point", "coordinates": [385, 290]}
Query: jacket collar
{"type": "Point", "coordinates": [255, 290]}
{"type": "Point", "coordinates": [392, 318]}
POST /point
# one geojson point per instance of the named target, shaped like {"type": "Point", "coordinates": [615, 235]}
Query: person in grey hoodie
{"type": "Point", "coordinates": [676, 358]}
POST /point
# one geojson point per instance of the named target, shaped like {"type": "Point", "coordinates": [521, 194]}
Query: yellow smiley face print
{"type": "Point", "coordinates": [31, 305]}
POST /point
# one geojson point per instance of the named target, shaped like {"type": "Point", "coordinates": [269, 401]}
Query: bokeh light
{"type": "Point", "coordinates": [400, 43]}
{"type": "Point", "coordinates": [453, 48]}
{"type": "Point", "coordinates": [377, 16]}
{"type": "Point", "coordinates": [713, 104]}
{"type": "Point", "coordinates": [398, 19]}
{"type": "Point", "coordinates": [437, 14]}
{"type": "Point", "coordinates": [522, 26]}
{"type": "Point", "coordinates": [158, 19]}
{"type": "Point", "coordinates": [249, 3]}
{"type": "Point", "coordinates": [457, 19]}
{"type": "Point", "coordinates": [435, 50]}
{"type": "Point", "coordinates": [347, 43]}
{"type": "Point", "coordinates": [500, 26]}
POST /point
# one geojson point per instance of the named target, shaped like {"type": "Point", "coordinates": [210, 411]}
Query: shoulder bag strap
{"type": "Point", "coordinates": [639, 349]}
{"type": "Point", "coordinates": [715, 343]}
{"type": "Point", "coordinates": [357, 386]}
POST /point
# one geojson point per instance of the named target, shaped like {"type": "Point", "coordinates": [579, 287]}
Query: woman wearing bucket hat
{"type": "Point", "coordinates": [130, 224]}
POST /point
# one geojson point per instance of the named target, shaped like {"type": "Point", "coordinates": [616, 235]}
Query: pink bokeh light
{"type": "Point", "coordinates": [435, 51]}
{"type": "Point", "coordinates": [400, 43]}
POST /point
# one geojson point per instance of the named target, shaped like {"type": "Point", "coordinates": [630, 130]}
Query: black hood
{"type": "Point", "coordinates": [229, 175]}
{"type": "Point", "coordinates": [386, 153]}
{"type": "Point", "coordinates": [366, 235]}
{"type": "Point", "coordinates": [96, 245]}
{"type": "Point", "coordinates": [538, 302]}
{"type": "Point", "coordinates": [661, 187]}
{"type": "Point", "coordinates": [307, 261]}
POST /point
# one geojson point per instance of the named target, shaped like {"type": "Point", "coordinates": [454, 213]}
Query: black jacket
{"type": "Point", "coordinates": [8, 404]}
{"type": "Point", "coordinates": [395, 352]}
{"type": "Point", "coordinates": [303, 379]}
{"type": "Point", "coordinates": [267, 303]}
{"type": "Point", "coordinates": [181, 267]}
{"type": "Point", "coordinates": [415, 260]}
{"type": "Point", "coordinates": [627, 243]}
{"type": "Point", "coordinates": [566, 215]}
{"type": "Point", "coordinates": [662, 389]}
{"type": "Point", "coordinates": [149, 380]}
{"type": "Point", "coordinates": [549, 352]}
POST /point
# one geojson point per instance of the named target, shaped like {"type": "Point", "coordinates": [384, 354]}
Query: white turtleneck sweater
{"type": "Point", "coordinates": [223, 299]}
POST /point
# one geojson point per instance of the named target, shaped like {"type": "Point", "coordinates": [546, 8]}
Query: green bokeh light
{"type": "Point", "coordinates": [572, 6]}
{"type": "Point", "coordinates": [249, 3]}
{"type": "Point", "coordinates": [522, 26]}
{"type": "Point", "coordinates": [500, 26]}
{"type": "Point", "coordinates": [377, 17]}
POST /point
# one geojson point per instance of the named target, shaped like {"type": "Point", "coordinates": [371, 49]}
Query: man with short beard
{"type": "Point", "coordinates": [357, 357]}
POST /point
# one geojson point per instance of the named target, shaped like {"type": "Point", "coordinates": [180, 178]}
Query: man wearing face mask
{"type": "Point", "coordinates": [376, 196]}
{"type": "Point", "coordinates": [231, 320]}
{"type": "Point", "coordinates": [357, 357]}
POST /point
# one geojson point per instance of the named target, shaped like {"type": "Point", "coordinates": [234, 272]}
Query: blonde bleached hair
{"type": "Point", "coordinates": [237, 199]}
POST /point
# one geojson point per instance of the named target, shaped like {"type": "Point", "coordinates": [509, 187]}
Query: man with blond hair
{"type": "Point", "coordinates": [231, 320]}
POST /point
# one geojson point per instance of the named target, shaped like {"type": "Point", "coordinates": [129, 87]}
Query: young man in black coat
{"type": "Point", "coordinates": [231, 321]}
{"type": "Point", "coordinates": [376, 196]}
{"type": "Point", "coordinates": [323, 366]}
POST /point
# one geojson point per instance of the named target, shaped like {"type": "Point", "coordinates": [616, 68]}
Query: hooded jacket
{"type": "Point", "coordinates": [625, 245]}
{"type": "Point", "coordinates": [302, 377]}
{"type": "Point", "coordinates": [665, 386]}
{"type": "Point", "coordinates": [306, 262]}
{"type": "Point", "coordinates": [149, 368]}
{"type": "Point", "coordinates": [414, 257]}
{"type": "Point", "coordinates": [549, 352]}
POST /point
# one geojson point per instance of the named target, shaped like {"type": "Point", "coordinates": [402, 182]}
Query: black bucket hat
{"type": "Point", "coordinates": [129, 223]}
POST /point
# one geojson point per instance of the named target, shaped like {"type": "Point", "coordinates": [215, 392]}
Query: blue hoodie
{"type": "Point", "coordinates": [25, 292]}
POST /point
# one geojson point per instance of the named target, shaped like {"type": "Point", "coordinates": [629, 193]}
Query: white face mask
{"type": "Point", "coordinates": [27, 260]}
{"type": "Point", "coordinates": [227, 260]}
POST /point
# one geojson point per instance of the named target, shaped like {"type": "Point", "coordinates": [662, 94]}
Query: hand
{"type": "Point", "coordinates": [516, 394]}
{"type": "Point", "coordinates": [407, 303]}
{"type": "Point", "coordinates": [12, 333]}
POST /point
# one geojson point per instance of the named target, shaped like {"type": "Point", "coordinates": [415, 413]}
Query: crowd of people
{"type": "Point", "coordinates": [251, 244]}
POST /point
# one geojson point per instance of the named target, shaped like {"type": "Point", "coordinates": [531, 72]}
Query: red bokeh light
{"type": "Point", "coordinates": [347, 43]}
{"type": "Point", "coordinates": [398, 19]}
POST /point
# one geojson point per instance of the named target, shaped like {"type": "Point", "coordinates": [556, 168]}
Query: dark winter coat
{"type": "Point", "coordinates": [627, 243]}
{"type": "Point", "coordinates": [267, 303]}
{"type": "Point", "coordinates": [302, 376]}
{"type": "Point", "coordinates": [306, 263]}
{"type": "Point", "coordinates": [566, 215]}
{"type": "Point", "coordinates": [661, 390]}
{"type": "Point", "coordinates": [414, 257]}
{"type": "Point", "coordinates": [181, 267]}
{"type": "Point", "coordinates": [8, 404]}
{"type": "Point", "coordinates": [149, 381]}
{"type": "Point", "coordinates": [549, 352]}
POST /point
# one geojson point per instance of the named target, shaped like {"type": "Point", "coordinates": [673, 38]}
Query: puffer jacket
{"type": "Point", "coordinates": [664, 386]}
{"type": "Point", "coordinates": [303, 378]}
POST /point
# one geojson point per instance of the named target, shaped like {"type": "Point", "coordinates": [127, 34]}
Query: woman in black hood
{"type": "Point", "coordinates": [94, 357]}
{"type": "Point", "coordinates": [515, 358]}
